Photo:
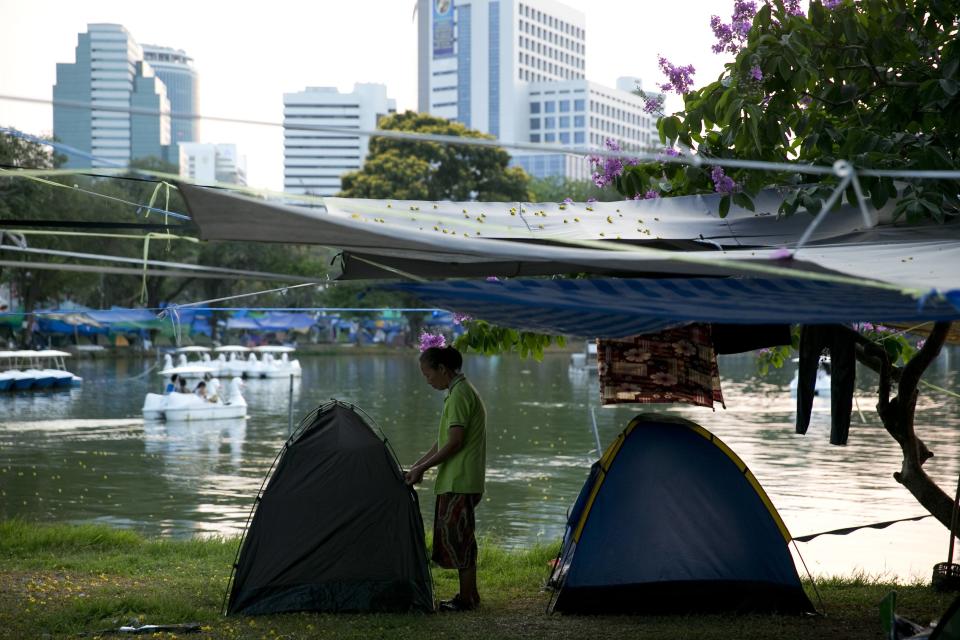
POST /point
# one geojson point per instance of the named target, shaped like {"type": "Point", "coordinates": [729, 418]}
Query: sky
{"type": "Point", "coordinates": [248, 54]}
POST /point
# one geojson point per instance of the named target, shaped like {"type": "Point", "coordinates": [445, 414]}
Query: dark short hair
{"type": "Point", "coordinates": [446, 356]}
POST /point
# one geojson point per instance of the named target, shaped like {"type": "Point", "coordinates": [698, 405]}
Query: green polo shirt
{"type": "Point", "coordinates": [463, 472]}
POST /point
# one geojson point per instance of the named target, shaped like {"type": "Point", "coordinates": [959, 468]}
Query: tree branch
{"type": "Point", "coordinates": [912, 371]}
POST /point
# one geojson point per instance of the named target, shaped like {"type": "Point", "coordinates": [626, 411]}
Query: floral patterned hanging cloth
{"type": "Point", "coordinates": [675, 365]}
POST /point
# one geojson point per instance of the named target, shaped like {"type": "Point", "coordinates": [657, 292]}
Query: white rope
{"type": "Point", "coordinates": [846, 173]}
{"type": "Point", "coordinates": [684, 158]}
{"type": "Point", "coordinates": [282, 291]}
{"type": "Point", "coordinates": [157, 263]}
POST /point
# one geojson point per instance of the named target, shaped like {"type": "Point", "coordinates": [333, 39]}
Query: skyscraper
{"type": "Point", "coordinates": [109, 72]}
{"type": "Point", "coordinates": [313, 161]}
{"type": "Point", "coordinates": [476, 57]}
{"type": "Point", "coordinates": [515, 69]}
{"type": "Point", "coordinates": [175, 68]}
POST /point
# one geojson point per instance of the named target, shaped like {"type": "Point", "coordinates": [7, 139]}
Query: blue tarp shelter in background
{"type": "Point", "coordinates": [615, 308]}
{"type": "Point", "coordinates": [271, 321]}
{"type": "Point", "coordinates": [128, 318]}
{"type": "Point", "coordinates": [242, 323]}
{"type": "Point", "coordinates": [69, 323]}
{"type": "Point", "coordinates": [670, 520]}
{"type": "Point", "coordinates": [286, 321]}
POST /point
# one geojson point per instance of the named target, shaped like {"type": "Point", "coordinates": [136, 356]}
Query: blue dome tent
{"type": "Point", "coordinates": [670, 520]}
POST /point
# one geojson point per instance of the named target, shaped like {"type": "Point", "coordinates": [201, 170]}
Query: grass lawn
{"type": "Point", "coordinates": [60, 581]}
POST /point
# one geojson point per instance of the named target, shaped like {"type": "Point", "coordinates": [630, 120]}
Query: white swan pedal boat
{"type": "Point", "coordinates": [822, 386]}
{"type": "Point", "coordinates": [189, 407]}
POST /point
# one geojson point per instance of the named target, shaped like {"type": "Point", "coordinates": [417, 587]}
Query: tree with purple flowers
{"type": "Point", "coordinates": [872, 82]}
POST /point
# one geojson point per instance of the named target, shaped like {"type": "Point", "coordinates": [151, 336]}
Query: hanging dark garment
{"type": "Point", "coordinates": [740, 338]}
{"type": "Point", "coordinates": [814, 339]}
{"type": "Point", "coordinates": [674, 365]}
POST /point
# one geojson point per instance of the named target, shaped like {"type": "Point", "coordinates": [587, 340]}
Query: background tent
{"type": "Point", "coordinates": [670, 520]}
{"type": "Point", "coordinates": [336, 528]}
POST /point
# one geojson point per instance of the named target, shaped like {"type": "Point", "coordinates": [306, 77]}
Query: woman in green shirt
{"type": "Point", "coordinates": [460, 455]}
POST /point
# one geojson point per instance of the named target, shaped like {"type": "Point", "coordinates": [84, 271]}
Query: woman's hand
{"type": "Point", "coordinates": [415, 475]}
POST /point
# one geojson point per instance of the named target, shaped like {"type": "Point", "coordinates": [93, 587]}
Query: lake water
{"type": "Point", "coordinates": [85, 455]}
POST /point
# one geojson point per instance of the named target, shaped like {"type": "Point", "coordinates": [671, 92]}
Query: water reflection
{"type": "Point", "coordinates": [85, 455]}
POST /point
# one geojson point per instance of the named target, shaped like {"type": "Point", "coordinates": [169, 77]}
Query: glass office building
{"type": "Point", "coordinates": [108, 103]}
{"type": "Point", "coordinates": [175, 68]}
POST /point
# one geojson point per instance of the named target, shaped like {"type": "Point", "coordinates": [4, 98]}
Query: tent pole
{"type": "Point", "coordinates": [953, 522]}
{"type": "Point", "coordinates": [596, 434]}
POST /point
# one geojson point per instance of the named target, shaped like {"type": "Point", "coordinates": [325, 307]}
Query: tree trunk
{"type": "Point", "coordinates": [898, 416]}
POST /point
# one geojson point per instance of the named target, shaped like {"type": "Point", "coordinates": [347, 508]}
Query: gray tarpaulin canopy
{"type": "Point", "coordinates": [668, 238]}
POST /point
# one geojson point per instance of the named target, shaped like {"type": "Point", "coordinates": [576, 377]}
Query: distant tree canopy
{"type": "Point", "coordinates": [397, 169]}
{"type": "Point", "coordinates": [23, 201]}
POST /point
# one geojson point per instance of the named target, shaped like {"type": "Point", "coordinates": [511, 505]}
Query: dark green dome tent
{"type": "Point", "coordinates": [336, 528]}
{"type": "Point", "coordinates": [670, 520]}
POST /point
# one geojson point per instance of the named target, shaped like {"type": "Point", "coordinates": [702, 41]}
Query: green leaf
{"type": "Point", "coordinates": [724, 206]}
{"type": "Point", "coordinates": [949, 86]}
{"type": "Point", "coordinates": [743, 200]}
{"type": "Point", "coordinates": [721, 105]}
{"type": "Point", "coordinates": [783, 68]}
{"type": "Point", "coordinates": [670, 127]}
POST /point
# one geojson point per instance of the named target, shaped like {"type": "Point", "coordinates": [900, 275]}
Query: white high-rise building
{"type": "Point", "coordinates": [212, 163]}
{"type": "Point", "coordinates": [490, 63]}
{"type": "Point", "coordinates": [582, 114]}
{"type": "Point", "coordinates": [110, 72]}
{"type": "Point", "coordinates": [313, 161]}
{"type": "Point", "coordinates": [476, 57]}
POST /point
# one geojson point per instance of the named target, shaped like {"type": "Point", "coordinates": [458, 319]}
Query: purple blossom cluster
{"type": "Point", "coordinates": [793, 7]}
{"type": "Point", "coordinates": [651, 194]}
{"type": "Point", "coordinates": [608, 169]}
{"type": "Point", "coordinates": [722, 183]}
{"type": "Point", "coordinates": [461, 318]}
{"type": "Point", "coordinates": [680, 79]}
{"type": "Point", "coordinates": [831, 4]}
{"type": "Point", "coordinates": [756, 73]}
{"type": "Point", "coordinates": [731, 37]}
{"type": "Point", "coordinates": [876, 328]}
{"type": "Point", "coordinates": [652, 104]}
{"type": "Point", "coordinates": [429, 340]}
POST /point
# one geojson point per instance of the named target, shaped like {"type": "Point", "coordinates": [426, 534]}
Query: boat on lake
{"type": "Point", "coordinates": [276, 363]}
{"type": "Point", "coordinates": [585, 361]}
{"type": "Point", "coordinates": [26, 369]}
{"type": "Point", "coordinates": [190, 407]}
{"type": "Point", "coordinates": [233, 360]}
{"type": "Point", "coordinates": [822, 386]}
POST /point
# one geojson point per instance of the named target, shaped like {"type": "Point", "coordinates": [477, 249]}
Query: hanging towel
{"type": "Point", "coordinates": [740, 338]}
{"type": "Point", "coordinates": [836, 339]}
{"type": "Point", "coordinates": [676, 365]}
